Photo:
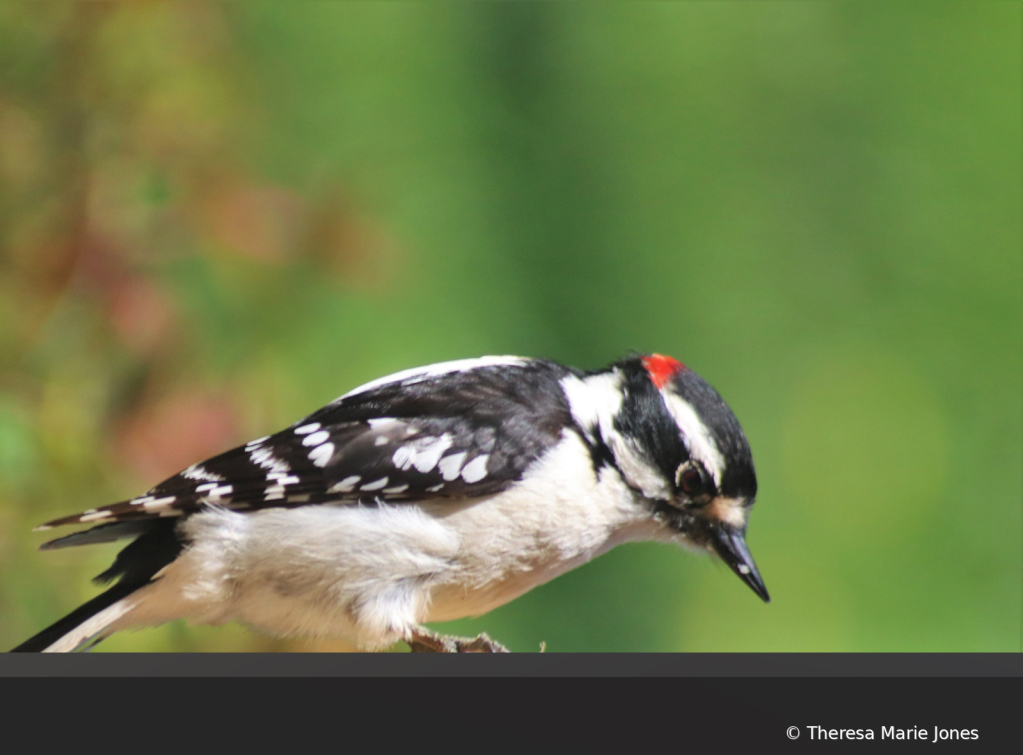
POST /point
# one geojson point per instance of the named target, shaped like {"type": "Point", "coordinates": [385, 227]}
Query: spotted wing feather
{"type": "Point", "coordinates": [460, 434]}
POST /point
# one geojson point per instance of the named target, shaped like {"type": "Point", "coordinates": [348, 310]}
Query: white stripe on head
{"type": "Point", "coordinates": [594, 402]}
{"type": "Point", "coordinates": [637, 472]}
{"type": "Point", "coordinates": [419, 374]}
{"type": "Point", "coordinates": [696, 435]}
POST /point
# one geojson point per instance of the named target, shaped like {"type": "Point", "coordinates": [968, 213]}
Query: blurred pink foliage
{"type": "Point", "coordinates": [262, 222]}
{"type": "Point", "coordinates": [140, 312]}
{"type": "Point", "coordinates": [162, 438]}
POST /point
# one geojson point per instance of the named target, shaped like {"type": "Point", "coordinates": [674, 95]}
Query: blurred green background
{"type": "Point", "coordinates": [215, 218]}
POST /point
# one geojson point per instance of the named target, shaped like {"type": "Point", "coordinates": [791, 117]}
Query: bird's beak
{"type": "Point", "coordinates": [731, 546]}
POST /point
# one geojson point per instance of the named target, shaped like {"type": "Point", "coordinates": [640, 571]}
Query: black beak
{"type": "Point", "coordinates": [731, 546]}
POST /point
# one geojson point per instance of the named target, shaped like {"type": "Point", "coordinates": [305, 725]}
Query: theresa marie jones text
{"type": "Point", "coordinates": [895, 733]}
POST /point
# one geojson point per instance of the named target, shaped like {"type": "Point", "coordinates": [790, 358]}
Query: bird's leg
{"type": "Point", "coordinates": [422, 640]}
{"type": "Point", "coordinates": [479, 644]}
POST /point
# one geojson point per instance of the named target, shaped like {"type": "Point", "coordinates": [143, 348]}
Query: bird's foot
{"type": "Point", "coordinates": [422, 640]}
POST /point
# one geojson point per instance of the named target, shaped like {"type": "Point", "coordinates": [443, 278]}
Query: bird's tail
{"type": "Point", "coordinates": [84, 626]}
{"type": "Point", "coordinates": [135, 566]}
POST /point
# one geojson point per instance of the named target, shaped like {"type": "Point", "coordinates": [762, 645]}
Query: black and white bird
{"type": "Point", "coordinates": [429, 495]}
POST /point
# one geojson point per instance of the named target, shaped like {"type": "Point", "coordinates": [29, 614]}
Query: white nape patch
{"type": "Point", "coordinates": [377, 485]}
{"type": "Point", "coordinates": [265, 458]}
{"type": "Point", "coordinates": [253, 443]}
{"type": "Point", "coordinates": [451, 466]}
{"type": "Point", "coordinates": [316, 438]}
{"type": "Point", "coordinates": [419, 374]}
{"type": "Point", "coordinates": [147, 498]}
{"type": "Point", "coordinates": [306, 429]}
{"type": "Point", "coordinates": [594, 401]}
{"type": "Point", "coordinates": [396, 489]}
{"type": "Point", "coordinates": [476, 469]}
{"type": "Point", "coordinates": [196, 472]}
{"type": "Point", "coordinates": [320, 455]}
{"type": "Point", "coordinates": [423, 454]}
{"type": "Point", "coordinates": [94, 515]}
{"type": "Point", "coordinates": [695, 435]}
{"type": "Point", "coordinates": [159, 503]}
{"type": "Point", "coordinates": [382, 440]}
{"type": "Point", "coordinates": [346, 485]}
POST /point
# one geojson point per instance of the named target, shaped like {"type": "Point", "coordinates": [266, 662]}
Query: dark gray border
{"type": "Point", "coordinates": [520, 664]}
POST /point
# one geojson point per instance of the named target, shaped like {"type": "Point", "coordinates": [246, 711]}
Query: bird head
{"type": "Point", "coordinates": [679, 446]}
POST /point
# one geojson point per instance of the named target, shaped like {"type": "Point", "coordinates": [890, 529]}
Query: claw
{"type": "Point", "coordinates": [422, 640]}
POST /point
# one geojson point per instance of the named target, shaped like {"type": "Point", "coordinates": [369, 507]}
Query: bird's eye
{"type": "Point", "coordinates": [691, 481]}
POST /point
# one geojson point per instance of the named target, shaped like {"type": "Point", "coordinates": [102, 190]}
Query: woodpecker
{"type": "Point", "coordinates": [428, 495]}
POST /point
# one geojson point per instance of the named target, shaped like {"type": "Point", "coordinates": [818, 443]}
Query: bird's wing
{"type": "Point", "coordinates": [454, 430]}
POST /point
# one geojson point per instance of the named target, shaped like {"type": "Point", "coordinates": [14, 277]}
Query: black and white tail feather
{"type": "Point", "coordinates": [518, 469]}
{"type": "Point", "coordinates": [156, 545]}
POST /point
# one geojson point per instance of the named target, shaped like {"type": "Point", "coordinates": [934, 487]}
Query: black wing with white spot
{"type": "Point", "coordinates": [455, 430]}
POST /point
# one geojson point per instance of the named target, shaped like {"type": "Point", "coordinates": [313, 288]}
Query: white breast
{"type": "Point", "coordinates": [559, 517]}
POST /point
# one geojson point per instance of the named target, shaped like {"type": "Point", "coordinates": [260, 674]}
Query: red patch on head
{"type": "Point", "coordinates": [661, 368]}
